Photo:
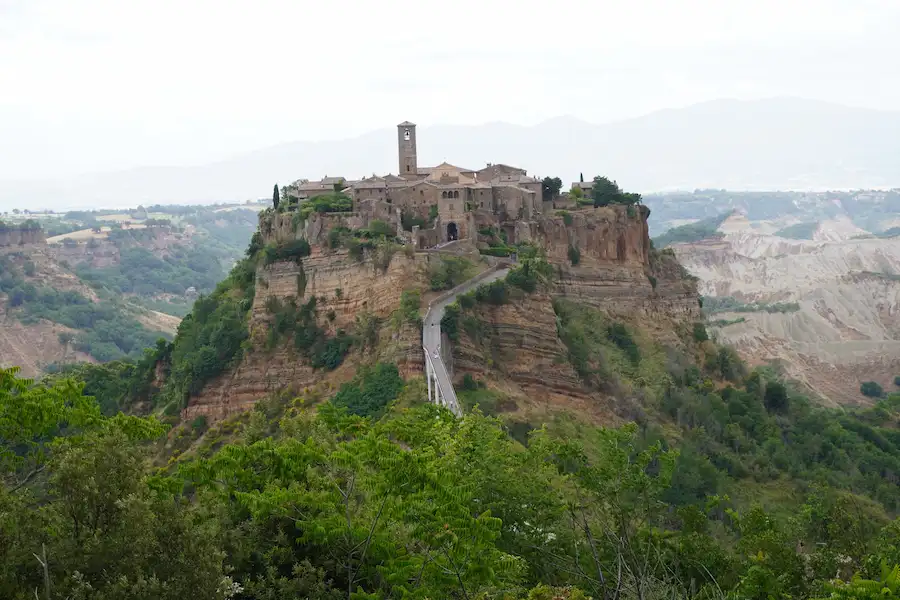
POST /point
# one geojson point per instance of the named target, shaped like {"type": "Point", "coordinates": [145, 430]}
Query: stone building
{"type": "Point", "coordinates": [453, 197]}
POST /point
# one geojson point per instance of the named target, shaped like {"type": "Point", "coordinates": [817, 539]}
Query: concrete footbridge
{"type": "Point", "coordinates": [440, 386]}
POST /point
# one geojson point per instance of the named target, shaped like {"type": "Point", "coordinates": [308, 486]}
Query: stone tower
{"type": "Point", "coordinates": [406, 145]}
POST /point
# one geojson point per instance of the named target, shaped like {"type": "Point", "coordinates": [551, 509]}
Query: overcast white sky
{"type": "Point", "coordinates": [90, 85]}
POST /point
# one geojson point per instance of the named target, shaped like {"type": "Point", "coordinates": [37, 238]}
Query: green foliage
{"type": "Point", "coordinates": [326, 203]}
{"type": "Point", "coordinates": [726, 322]}
{"type": "Point", "coordinates": [412, 502]}
{"type": "Point", "coordinates": [78, 497]}
{"type": "Point", "coordinates": [380, 229]}
{"type": "Point", "coordinates": [550, 188]}
{"type": "Point", "coordinates": [292, 250]}
{"type": "Point", "coordinates": [370, 391]}
{"type": "Point", "coordinates": [410, 303]}
{"type": "Point", "coordinates": [211, 337]}
{"type": "Point", "coordinates": [105, 331]}
{"type": "Point", "coordinates": [450, 321]}
{"type": "Point", "coordinates": [276, 197]}
{"type": "Point", "coordinates": [605, 192]}
{"type": "Point", "coordinates": [574, 255]}
{"type": "Point", "coordinates": [118, 385]}
{"type": "Point", "coordinates": [608, 355]}
{"type": "Point", "coordinates": [289, 319]}
{"type": "Point", "coordinates": [724, 362]}
{"type": "Point", "coordinates": [449, 272]}
{"type": "Point", "coordinates": [800, 231]}
{"type": "Point", "coordinates": [693, 232]}
{"type": "Point", "coordinates": [408, 220]}
{"type": "Point", "coordinates": [566, 216]}
{"type": "Point", "coordinates": [199, 423]}
{"type": "Point", "coordinates": [700, 334]}
{"type": "Point", "coordinates": [718, 304]}
{"type": "Point", "coordinates": [871, 389]}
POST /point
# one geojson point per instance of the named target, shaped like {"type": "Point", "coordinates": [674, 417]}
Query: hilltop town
{"type": "Point", "coordinates": [434, 204]}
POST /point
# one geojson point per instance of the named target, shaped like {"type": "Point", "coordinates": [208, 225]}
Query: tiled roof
{"type": "Point", "coordinates": [406, 124]}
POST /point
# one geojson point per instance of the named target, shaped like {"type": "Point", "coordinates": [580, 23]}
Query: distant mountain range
{"type": "Point", "coordinates": [781, 143]}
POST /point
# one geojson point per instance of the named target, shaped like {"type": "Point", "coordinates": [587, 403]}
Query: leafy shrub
{"type": "Point", "coordinates": [775, 398]}
{"type": "Point", "coordinates": [619, 335]}
{"type": "Point", "coordinates": [408, 220]}
{"type": "Point", "coordinates": [326, 203]}
{"type": "Point", "coordinates": [410, 302]}
{"type": "Point", "coordinates": [799, 231]}
{"type": "Point", "coordinates": [497, 251]}
{"type": "Point", "coordinates": [449, 272]}
{"type": "Point", "coordinates": [330, 353]}
{"type": "Point", "coordinates": [370, 391]}
{"type": "Point", "coordinates": [469, 383]}
{"type": "Point", "coordinates": [200, 423]}
{"type": "Point", "coordinates": [294, 249]}
{"type": "Point", "coordinates": [692, 232]}
{"type": "Point", "coordinates": [871, 389]}
{"type": "Point", "coordinates": [450, 321]}
{"type": "Point", "coordinates": [495, 292]}
{"type": "Point", "coordinates": [380, 229]}
{"type": "Point", "coordinates": [567, 216]}
{"type": "Point", "coordinates": [700, 334]}
{"type": "Point", "coordinates": [725, 363]}
{"type": "Point", "coordinates": [574, 255]}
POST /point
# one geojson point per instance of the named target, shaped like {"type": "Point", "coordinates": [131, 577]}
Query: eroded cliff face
{"type": "Point", "coordinates": [515, 345]}
{"type": "Point", "coordinates": [346, 290]}
{"type": "Point", "coordinates": [21, 237]}
{"type": "Point", "coordinates": [616, 271]}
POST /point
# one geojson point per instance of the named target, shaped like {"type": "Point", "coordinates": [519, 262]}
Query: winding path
{"type": "Point", "coordinates": [440, 386]}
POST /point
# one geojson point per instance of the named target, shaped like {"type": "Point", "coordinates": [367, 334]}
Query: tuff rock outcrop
{"type": "Point", "coordinates": [618, 272]}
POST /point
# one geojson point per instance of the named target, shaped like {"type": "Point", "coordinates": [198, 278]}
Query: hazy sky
{"type": "Point", "coordinates": [88, 85]}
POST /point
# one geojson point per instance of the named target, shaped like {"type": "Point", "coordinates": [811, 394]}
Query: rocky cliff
{"type": "Point", "coordinates": [348, 292]}
{"type": "Point", "coordinates": [617, 272]}
{"type": "Point", "coordinates": [515, 344]}
{"type": "Point", "coordinates": [21, 236]}
{"type": "Point", "coordinates": [839, 325]}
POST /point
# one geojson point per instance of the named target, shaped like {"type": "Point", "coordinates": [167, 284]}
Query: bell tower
{"type": "Point", "coordinates": [406, 146]}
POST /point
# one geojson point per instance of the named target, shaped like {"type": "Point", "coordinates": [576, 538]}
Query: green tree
{"type": "Point", "coordinates": [550, 187]}
{"type": "Point", "coordinates": [605, 192]}
{"type": "Point", "coordinates": [871, 389]}
{"type": "Point", "coordinates": [275, 197]}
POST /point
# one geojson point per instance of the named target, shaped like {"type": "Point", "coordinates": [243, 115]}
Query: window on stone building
{"type": "Point", "coordinates": [406, 138]}
{"type": "Point", "coordinates": [443, 194]}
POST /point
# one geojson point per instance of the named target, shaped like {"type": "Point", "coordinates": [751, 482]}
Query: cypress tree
{"type": "Point", "coordinates": [275, 197]}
